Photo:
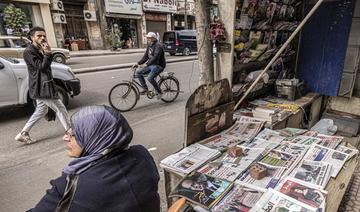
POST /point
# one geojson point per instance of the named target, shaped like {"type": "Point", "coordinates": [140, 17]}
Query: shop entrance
{"type": "Point", "coordinates": [129, 29]}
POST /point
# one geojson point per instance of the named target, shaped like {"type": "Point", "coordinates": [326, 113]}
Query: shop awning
{"type": "Point", "coordinates": [115, 15]}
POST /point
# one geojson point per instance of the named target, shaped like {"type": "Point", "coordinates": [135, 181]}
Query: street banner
{"type": "Point", "coordinates": [167, 6]}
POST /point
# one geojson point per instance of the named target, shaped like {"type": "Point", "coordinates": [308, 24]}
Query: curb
{"type": "Point", "coordinates": [125, 65]}
{"type": "Point", "coordinates": [105, 53]}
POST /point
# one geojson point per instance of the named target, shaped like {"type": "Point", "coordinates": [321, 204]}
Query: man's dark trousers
{"type": "Point", "coordinates": [153, 71]}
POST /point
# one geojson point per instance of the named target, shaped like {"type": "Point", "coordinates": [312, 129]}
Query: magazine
{"type": "Point", "coordinates": [189, 159]}
{"type": "Point", "coordinates": [270, 135]}
{"type": "Point", "coordinates": [291, 132]}
{"type": "Point", "coordinates": [270, 181]}
{"type": "Point", "coordinates": [313, 172]}
{"type": "Point", "coordinates": [304, 140]}
{"type": "Point", "coordinates": [350, 151]}
{"type": "Point", "coordinates": [261, 143]}
{"type": "Point", "coordinates": [336, 158]}
{"type": "Point", "coordinates": [201, 189]}
{"type": "Point", "coordinates": [240, 198]}
{"type": "Point", "coordinates": [244, 130]}
{"type": "Point", "coordinates": [330, 141]}
{"type": "Point", "coordinates": [302, 192]}
{"type": "Point", "coordinates": [274, 201]}
{"type": "Point", "coordinates": [221, 142]}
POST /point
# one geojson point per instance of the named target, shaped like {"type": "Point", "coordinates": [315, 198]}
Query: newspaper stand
{"type": "Point", "coordinates": [209, 110]}
{"type": "Point", "coordinates": [202, 119]}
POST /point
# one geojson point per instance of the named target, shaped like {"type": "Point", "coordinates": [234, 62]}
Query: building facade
{"type": "Point", "coordinates": [178, 20]}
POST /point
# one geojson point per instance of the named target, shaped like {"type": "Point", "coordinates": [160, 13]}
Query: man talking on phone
{"type": "Point", "coordinates": [42, 88]}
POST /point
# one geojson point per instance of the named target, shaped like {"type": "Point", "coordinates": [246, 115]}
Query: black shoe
{"type": "Point", "coordinates": [143, 92]}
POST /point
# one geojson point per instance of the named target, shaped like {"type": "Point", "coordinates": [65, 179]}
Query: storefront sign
{"type": "Point", "coordinates": [167, 6]}
{"type": "Point", "coordinates": [123, 6]}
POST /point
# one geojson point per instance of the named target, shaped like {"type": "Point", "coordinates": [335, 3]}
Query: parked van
{"type": "Point", "coordinates": [183, 42]}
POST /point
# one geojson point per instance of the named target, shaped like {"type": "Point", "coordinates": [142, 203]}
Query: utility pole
{"type": "Point", "coordinates": [204, 45]}
{"type": "Point", "coordinates": [185, 15]}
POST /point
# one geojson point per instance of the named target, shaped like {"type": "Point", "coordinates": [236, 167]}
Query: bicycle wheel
{"type": "Point", "coordinates": [170, 89]}
{"type": "Point", "coordinates": [123, 97]}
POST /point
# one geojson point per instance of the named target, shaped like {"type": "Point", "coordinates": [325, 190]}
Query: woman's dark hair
{"type": "Point", "coordinates": [34, 30]}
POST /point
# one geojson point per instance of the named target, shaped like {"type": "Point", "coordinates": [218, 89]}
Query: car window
{"type": "Point", "coordinates": [169, 37]}
{"type": "Point", "coordinates": [20, 43]}
{"type": "Point", "coordinates": [11, 60]}
{"type": "Point", "coordinates": [4, 43]}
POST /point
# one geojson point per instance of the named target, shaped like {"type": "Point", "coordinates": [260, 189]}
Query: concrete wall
{"type": "Point", "coordinates": [48, 24]}
{"type": "Point", "coordinates": [96, 39]}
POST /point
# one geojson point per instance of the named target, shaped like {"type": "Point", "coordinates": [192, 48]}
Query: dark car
{"type": "Point", "coordinates": [183, 42]}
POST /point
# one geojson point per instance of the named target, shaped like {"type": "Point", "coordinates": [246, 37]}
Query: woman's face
{"type": "Point", "coordinates": [74, 150]}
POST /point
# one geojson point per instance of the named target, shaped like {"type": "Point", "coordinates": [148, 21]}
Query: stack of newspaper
{"type": "Point", "coordinates": [189, 159]}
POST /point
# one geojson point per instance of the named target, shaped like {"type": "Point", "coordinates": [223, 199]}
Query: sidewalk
{"type": "Point", "coordinates": [88, 53]}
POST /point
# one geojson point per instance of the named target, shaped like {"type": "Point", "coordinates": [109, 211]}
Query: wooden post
{"type": "Point", "coordinates": [204, 45]}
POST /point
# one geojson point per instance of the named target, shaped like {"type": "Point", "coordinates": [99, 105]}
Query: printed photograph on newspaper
{"type": "Point", "coordinates": [270, 135]}
{"type": "Point", "coordinates": [304, 140]}
{"type": "Point", "coordinates": [221, 142]}
{"type": "Point", "coordinates": [244, 130]}
{"type": "Point", "coordinates": [291, 132]}
{"type": "Point", "coordinates": [351, 152]}
{"type": "Point", "coordinates": [329, 141]}
{"type": "Point", "coordinates": [223, 171]}
{"type": "Point", "coordinates": [319, 153]}
{"type": "Point", "coordinates": [239, 199]}
{"type": "Point", "coordinates": [277, 158]}
{"type": "Point", "coordinates": [291, 148]}
{"type": "Point", "coordinates": [313, 172]}
{"type": "Point", "coordinates": [302, 192]}
{"type": "Point", "coordinates": [274, 201]}
{"type": "Point", "coordinates": [261, 143]}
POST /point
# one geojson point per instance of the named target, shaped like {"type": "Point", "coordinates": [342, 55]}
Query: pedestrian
{"type": "Point", "coordinates": [106, 173]}
{"type": "Point", "coordinates": [42, 88]}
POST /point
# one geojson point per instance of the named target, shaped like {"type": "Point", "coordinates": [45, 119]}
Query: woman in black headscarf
{"type": "Point", "coordinates": [107, 174]}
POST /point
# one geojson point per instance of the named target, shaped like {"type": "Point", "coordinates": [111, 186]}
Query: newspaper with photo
{"type": "Point", "coordinates": [201, 189]}
{"type": "Point", "coordinates": [316, 173]}
{"type": "Point", "coordinates": [189, 158]}
{"type": "Point", "coordinates": [244, 130]}
{"type": "Point", "coordinates": [291, 132]}
{"type": "Point", "coordinates": [250, 119]}
{"type": "Point", "coordinates": [310, 196]}
{"type": "Point", "coordinates": [320, 153]}
{"type": "Point", "coordinates": [223, 171]}
{"type": "Point", "coordinates": [277, 158]}
{"type": "Point", "coordinates": [274, 201]}
{"type": "Point", "coordinates": [311, 133]}
{"type": "Point", "coordinates": [261, 143]}
{"type": "Point", "coordinates": [350, 151]}
{"type": "Point", "coordinates": [270, 181]}
{"type": "Point", "coordinates": [221, 142]}
{"type": "Point", "coordinates": [330, 141]}
{"type": "Point", "coordinates": [270, 135]}
{"type": "Point", "coordinates": [304, 140]}
{"type": "Point", "coordinates": [292, 148]}
{"type": "Point", "coordinates": [240, 198]}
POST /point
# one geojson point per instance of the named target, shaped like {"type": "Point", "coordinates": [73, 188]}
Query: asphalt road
{"type": "Point", "coordinates": [25, 170]}
{"type": "Point", "coordinates": [85, 62]}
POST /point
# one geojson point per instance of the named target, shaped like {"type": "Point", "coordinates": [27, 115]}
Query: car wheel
{"type": "Point", "coordinates": [63, 95]}
{"type": "Point", "coordinates": [186, 51]}
{"type": "Point", "coordinates": [172, 54]}
{"type": "Point", "coordinates": [59, 58]}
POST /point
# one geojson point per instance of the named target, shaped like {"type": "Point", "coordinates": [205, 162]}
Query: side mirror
{"type": "Point", "coordinates": [2, 66]}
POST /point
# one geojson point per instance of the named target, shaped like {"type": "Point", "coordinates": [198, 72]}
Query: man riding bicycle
{"type": "Point", "coordinates": [152, 63]}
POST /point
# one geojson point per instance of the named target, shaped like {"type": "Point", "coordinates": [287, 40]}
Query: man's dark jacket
{"type": "Point", "coordinates": [41, 83]}
{"type": "Point", "coordinates": [158, 55]}
{"type": "Point", "coordinates": [125, 182]}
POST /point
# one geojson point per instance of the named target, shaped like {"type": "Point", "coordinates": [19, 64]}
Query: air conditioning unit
{"type": "Point", "coordinates": [59, 18]}
{"type": "Point", "coordinates": [89, 15]}
{"type": "Point", "coordinates": [57, 5]}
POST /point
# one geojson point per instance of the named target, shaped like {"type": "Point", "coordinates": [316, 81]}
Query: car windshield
{"type": "Point", "coordinates": [11, 60]}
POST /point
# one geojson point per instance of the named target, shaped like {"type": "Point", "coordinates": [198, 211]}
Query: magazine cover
{"type": "Point", "coordinates": [335, 158]}
{"type": "Point", "coordinates": [239, 199]}
{"type": "Point", "coordinates": [270, 181]}
{"type": "Point", "coordinates": [201, 189]}
{"type": "Point", "coordinates": [220, 142]}
{"type": "Point", "coordinates": [313, 172]}
{"type": "Point", "coordinates": [274, 201]}
{"type": "Point", "coordinates": [302, 192]}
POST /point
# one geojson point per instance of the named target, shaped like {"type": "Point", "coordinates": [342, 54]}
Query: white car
{"type": "Point", "coordinates": [14, 85]}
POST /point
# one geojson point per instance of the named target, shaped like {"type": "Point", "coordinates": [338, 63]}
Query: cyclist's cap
{"type": "Point", "coordinates": [151, 35]}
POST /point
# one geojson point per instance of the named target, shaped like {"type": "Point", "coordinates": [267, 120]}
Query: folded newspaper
{"type": "Point", "coordinates": [244, 130]}
{"type": "Point", "coordinates": [221, 142]}
{"type": "Point", "coordinates": [329, 141]}
{"type": "Point", "coordinates": [270, 135]}
{"type": "Point", "coordinates": [320, 153]}
{"type": "Point", "coordinates": [188, 159]}
{"type": "Point", "coordinates": [350, 151]}
{"type": "Point", "coordinates": [240, 198]}
{"type": "Point", "coordinates": [274, 201]}
{"type": "Point", "coordinates": [314, 172]}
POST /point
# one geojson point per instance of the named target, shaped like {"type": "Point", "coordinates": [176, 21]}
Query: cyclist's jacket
{"type": "Point", "coordinates": [154, 55]}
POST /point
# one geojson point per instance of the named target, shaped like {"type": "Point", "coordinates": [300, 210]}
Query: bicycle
{"type": "Point", "coordinates": [128, 91]}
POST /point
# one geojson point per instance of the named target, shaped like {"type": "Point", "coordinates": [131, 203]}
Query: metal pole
{"type": "Point", "coordinates": [280, 51]}
{"type": "Point", "coordinates": [185, 16]}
